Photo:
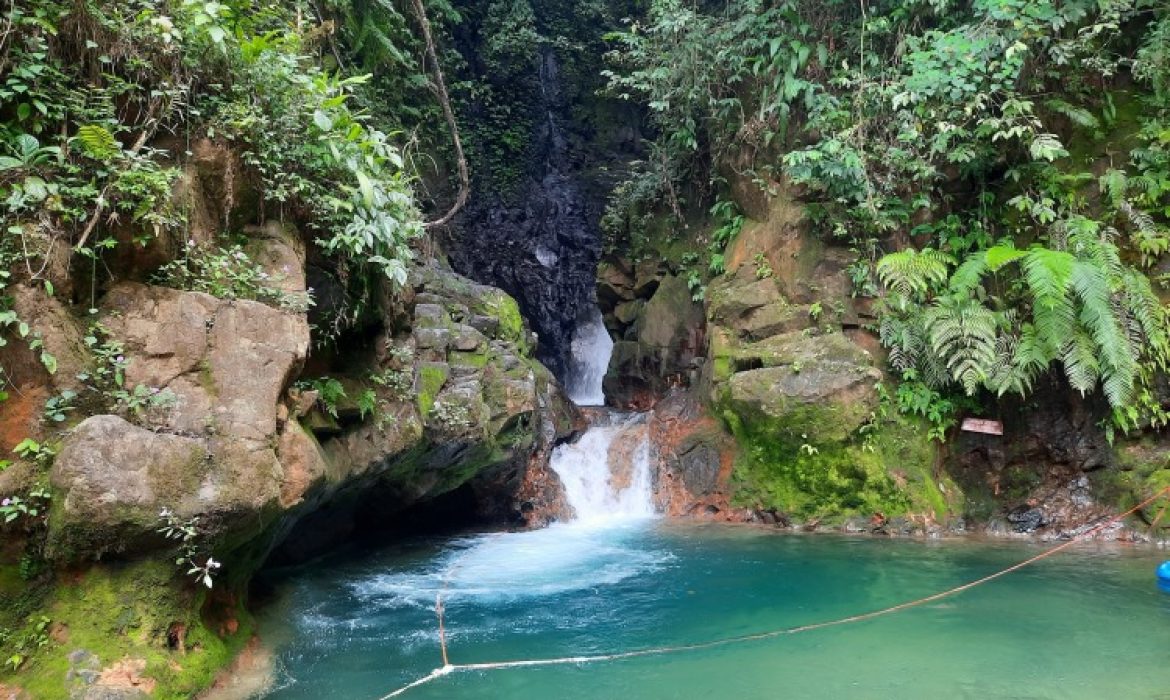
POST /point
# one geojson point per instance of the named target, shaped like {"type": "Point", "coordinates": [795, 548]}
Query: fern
{"type": "Point", "coordinates": [98, 143]}
{"type": "Point", "coordinates": [1077, 115]}
{"type": "Point", "coordinates": [1113, 185]}
{"type": "Point", "coordinates": [1001, 255]}
{"type": "Point", "coordinates": [1099, 318]}
{"type": "Point", "coordinates": [912, 273]}
{"type": "Point", "coordinates": [1047, 147]}
{"type": "Point", "coordinates": [964, 332]}
{"type": "Point", "coordinates": [1079, 357]}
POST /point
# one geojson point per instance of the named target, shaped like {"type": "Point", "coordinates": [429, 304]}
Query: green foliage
{"type": "Point", "coordinates": [964, 127]}
{"type": "Point", "coordinates": [763, 267]}
{"type": "Point", "coordinates": [107, 378]}
{"type": "Point", "coordinates": [330, 392]}
{"type": "Point", "coordinates": [33, 505]}
{"type": "Point", "coordinates": [17, 646]}
{"type": "Point", "coordinates": [91, 86]}
{"type": "Point", "coordinates": [694, 69]}
{"type": "Point", "coordinates": [198, 565]}
{"type": "Point", "coordinates": [315, 153]}
{"type": "Point", "coordinates": [1078, 305]}
{"type": "Point", "coordinates": [451, 416]}
{"type": "Point", "coordinates": [227, 273]}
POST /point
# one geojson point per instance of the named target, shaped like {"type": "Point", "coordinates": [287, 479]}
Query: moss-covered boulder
{"type": "Point", "coordinates": [814, 389]}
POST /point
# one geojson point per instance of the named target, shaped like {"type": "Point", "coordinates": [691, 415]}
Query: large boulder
{"type": "Point", "coordinates": [226, 362]}
{"type": "Point", "coordinates": [115, 478]}
{"type": "Point", "coordinates": [663, 347]}
{"type": "Point", "coordinates": [813, 389]}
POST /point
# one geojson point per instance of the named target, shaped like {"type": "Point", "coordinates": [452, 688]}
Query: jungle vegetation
{"type": "Point", "coordinates": [1000, 168]}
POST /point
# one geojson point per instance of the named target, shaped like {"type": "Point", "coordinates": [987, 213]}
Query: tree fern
{"type": "Point", "coordinates": [912, 273]}
{"type": "Point", "coordinates": [963, 331]}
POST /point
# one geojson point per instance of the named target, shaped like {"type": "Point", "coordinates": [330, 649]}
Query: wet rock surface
{"type": "Point", "coordinates": [541, 241]}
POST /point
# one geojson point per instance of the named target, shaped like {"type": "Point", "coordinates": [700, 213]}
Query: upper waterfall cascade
{"type": "Point", "coordinates": [590, 350]}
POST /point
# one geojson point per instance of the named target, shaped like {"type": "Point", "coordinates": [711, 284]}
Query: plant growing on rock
{"type": "Point", "coordinates": [451, 416]}
{"type": "Point", "coordinates": [186, 532]}
{"type": "Point", "coordinates": [19, 646]}
{"type": "Point", "coordinates": [228, 273]}
{"type": "Point", "coordinates": [108, 377]}
{"type": "Point", "coordinates": [330, 392]}
{"type": "Point", "coordinates": [34, 504]}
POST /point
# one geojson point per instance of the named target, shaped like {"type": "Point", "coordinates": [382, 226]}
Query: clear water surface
{"type": "Point", "coordinates": [1088, 623]}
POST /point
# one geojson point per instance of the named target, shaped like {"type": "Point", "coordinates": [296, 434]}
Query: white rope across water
{"type": "Point", "coordinates": [449, 668]}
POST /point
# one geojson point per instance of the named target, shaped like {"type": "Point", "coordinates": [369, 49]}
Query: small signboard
{"type": "Point", "coordinates": [982, 425]}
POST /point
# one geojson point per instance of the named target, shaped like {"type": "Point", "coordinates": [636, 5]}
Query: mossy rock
{"type": "Point", "coordinates": [140, 612]}
{"type": "Point", "coordinates": [889, 470]}
{"type": "Point", "coordinates": [807, 389]}
{"type": "Point", "coordinates": [430, 378]}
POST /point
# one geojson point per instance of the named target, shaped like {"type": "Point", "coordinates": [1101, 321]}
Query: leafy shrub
{"type": "Point", "coordinates": [227, 273]}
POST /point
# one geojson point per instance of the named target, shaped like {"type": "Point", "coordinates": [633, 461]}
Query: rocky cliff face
{"type": "Point", "coordinates": [213, 410]}
{"type": "Point", "coordinates": [768, 407]}
{"type": "Point", "coordinates": [541, 176]}
{"type": "Point", "coordinates": [543, 245]}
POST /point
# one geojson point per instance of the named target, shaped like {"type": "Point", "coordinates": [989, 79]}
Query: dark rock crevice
{"type": "Point", "coordinates": [536, 233]}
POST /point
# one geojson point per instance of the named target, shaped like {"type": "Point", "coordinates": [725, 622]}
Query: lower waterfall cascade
{"type": "Point", "coordinates": [606, 472]}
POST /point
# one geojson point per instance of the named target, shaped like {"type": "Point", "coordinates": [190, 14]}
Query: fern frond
{"type": "Point", "coordinates": [912, 272]}
{"type": "Point", "coordinates": [1077, 115]}
{"type": "Point", "coordinates": [1141, 221]}
{"type": "Point", "coordinates": [1079, 357]}
{"type": "Point", "coordinates": [969, 274]}
{"type": "Point", "coordinates": [1047, 273]}
{"type": "Point", "coordinates": [1003, 254]}
{"type": "Point", "coordinates": [1098, 317]}
{"type": "Point", "coordinates": [963, 331]}
{"type": "Point", "coordinates": [1113, 185]}
{"type": "Point", "coordinates": [98, 143]}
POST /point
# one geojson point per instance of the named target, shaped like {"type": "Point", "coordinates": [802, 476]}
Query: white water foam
{"type": "Point", "coordinates": [588, 473]}
{"type": "Point", "coordinates": [517, 565]}
{"type": "Point", "coordinates": [589, 351]}
{"type": "Point", "coordinates": [606, 474]}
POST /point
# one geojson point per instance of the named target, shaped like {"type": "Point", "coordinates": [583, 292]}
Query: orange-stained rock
{"type": "Point", "coordinates": [693, 457]}
{"type": "Point", "coordinates": [126, 675]}
{"type": "Point", "coordinates": [20, 417]}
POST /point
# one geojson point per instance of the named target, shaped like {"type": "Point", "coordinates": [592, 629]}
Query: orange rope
{"type": "Point", "coordinates": [523, 663]}
{"type": "Point", "coordinates": [442, 631]}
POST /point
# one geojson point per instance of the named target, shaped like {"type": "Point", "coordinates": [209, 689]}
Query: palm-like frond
{"type": "Point", "coordinates": [964, 332]}
{"type": "Point", "coordinates": [912, 273]}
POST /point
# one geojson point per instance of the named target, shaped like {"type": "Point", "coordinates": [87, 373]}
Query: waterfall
{"type": "Point", "coordinates": [606, 472]}
{"type": "Point", "coordinates": [589, 354]}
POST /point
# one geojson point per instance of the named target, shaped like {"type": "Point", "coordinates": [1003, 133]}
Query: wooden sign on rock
{"type": "Point", "coordinates": [982, 425]}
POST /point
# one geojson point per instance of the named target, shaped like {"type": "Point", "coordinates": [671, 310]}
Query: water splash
{"type": "Point", "coordinates": [606, 472]}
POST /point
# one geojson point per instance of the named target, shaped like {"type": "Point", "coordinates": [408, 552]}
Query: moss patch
{"type": "Point", "coordinates": [431, 378]}
{"type": "Point", "coordinates": [119, 611]}
{"type": "Point", "coordinates": [507, 311]}
{"type": "Point", "coordinates": [889, 469]}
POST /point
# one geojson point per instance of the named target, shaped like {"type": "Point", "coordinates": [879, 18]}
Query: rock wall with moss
{"type": "Point", "coordinates": [224, 348]}
{"type": "Point", "coordinates": [779, 352]}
